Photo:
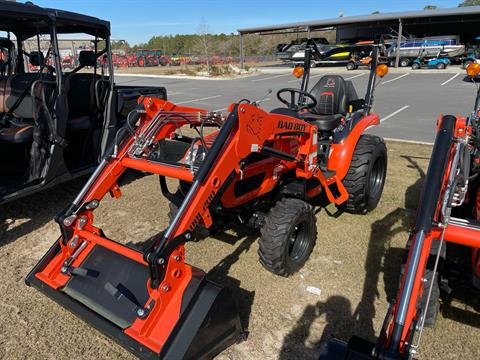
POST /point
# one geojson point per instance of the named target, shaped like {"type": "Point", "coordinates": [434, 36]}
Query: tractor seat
{"type": "Point", "coordinates": [16, 134]}
{"type": "Point", "coordinates": [323, 122]}
{"type": "Point", "coordinates": [331, 94]}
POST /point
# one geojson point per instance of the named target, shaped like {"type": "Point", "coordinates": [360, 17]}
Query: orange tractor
{"type": "Point", "coordinates": [443, 246]}
{"type": "Point", "coordinates": [260, 169]}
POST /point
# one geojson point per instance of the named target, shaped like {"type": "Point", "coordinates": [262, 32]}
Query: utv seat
{"type": "Point", "coordinates": [18, 100]}
{"type": "Point", "coordinates": [81, 94]}
{"type": "Point", "coordinates": [16, 134]}
{"type": "Point", "coordinates": [331, 94]}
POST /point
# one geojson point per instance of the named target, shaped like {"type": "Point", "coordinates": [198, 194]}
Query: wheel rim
{"type": "Point", "coordinates": [299, 242]}
{"type": "Point", "coordinates": [377, 177]}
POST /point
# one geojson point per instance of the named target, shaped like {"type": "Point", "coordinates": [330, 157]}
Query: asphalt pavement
{"type": "Point", "coordinates": [408, 102]}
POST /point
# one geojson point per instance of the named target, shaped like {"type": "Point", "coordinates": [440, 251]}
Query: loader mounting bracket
{"type": "Point", "coordinates": [157, 256]}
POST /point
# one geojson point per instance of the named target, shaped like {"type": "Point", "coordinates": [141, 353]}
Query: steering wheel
{"type": "Point", "coordinates": [294, 105]}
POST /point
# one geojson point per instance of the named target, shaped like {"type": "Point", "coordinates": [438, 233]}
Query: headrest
{"type": "Point", "coordinates": [87, 58]}
{"type": "Point", "coordinates": [36, 58]}
{"type": "Point", "coordinates": [330, 92]}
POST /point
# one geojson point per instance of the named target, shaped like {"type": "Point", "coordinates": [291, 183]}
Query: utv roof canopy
{"type": "Point", "coordinates": [27, 20]}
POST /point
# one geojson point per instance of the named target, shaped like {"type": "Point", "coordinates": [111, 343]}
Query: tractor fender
{"type": "Point", "coordinates": [345, 141]}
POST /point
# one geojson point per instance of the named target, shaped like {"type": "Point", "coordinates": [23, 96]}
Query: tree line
{"type": "Point", "coordinates": [218, 44]}
{"type": "Point", "coordinates": [229, 44]}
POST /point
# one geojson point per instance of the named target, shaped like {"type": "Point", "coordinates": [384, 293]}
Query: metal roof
{"type": "Point", "coordinates": [371, 18]}
{"type": "Point", "coordinates": [25, 19]}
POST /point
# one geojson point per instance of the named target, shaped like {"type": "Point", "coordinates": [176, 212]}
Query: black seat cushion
{"type": "Point", "coordinates": [16, 135]}
{"type": "Point", "coordinates": [322, 122]}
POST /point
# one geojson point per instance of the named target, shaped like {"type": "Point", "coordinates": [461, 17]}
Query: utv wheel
{"type": "Point", "coordinates": [415, 66]}
{"type": "Point", "coordinates": [366, 176]}
{"type": "Point", "coordinates": [288, 236]}
{"type": "Point", "coordinates": [404, 62]}
{"type": "Point", "coordinates": [350, 66]}
{"type": "Point", "coordinates": [429, 277]}
{"type": "Point", "coordinates": [441, 66]}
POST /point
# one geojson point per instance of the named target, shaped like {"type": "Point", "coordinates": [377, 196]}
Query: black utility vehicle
{"type": "Point", "coordinates": [56, 125]}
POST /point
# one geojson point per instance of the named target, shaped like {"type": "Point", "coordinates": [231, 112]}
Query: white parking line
{"type": "Point", "coordinates": [218, 110]}
{"type": "Point", "coordinates": [353, 77]}
{"type": "Point", "coordinates": [390, 115]}
{"type": "Point", "coordinates": [394, 113]}
{"type": "Point", "coordinates": [175, 93]}
{"type": "Point", "coordinates": [453, 77]}
{"type": "Point", "coordinates": [398, 77]}
{"type": "Point", "coordinates": [201, 99]}
{"type": "Point", "coordinates": [270, 77]}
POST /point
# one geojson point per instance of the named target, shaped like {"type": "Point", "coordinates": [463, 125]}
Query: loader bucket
{"type": "Point", "coordinates": [110, 288]}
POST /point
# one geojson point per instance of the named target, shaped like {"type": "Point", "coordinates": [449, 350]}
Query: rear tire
{"type": "Point", "coordinates": [441, 66]}
{"type": "Point", "coordinates": [365, 179]}
{"type": "Point", "coordinates": [350, 66]}
{"type": "Point", "coordinates": [287, 237]}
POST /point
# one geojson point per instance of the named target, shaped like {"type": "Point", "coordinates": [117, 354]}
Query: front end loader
{"type": "Point", "coordinates": [448, 218]}
{"type": "Point", "coordinates": [255, 168]}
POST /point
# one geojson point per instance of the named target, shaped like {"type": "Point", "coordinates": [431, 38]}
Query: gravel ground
{"type": "Point", "coordinates": [355, 264]}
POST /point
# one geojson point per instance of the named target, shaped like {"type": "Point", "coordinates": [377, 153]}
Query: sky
{"type": "Point", "coordinates": [136, 21]}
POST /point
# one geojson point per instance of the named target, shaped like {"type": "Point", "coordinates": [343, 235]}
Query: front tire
{"type": "Point", "coordinates": [441, 66]}
{"type": "Point", "coordinates": [287, 237]}
{"type": "Point", "coordinates": [416, 66]}
{"type": "Point", "coordinates": [350, 66]}
{"type": "Point", "coordinates": [365, 179]}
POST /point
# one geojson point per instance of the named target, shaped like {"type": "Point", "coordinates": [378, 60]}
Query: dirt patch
{"type": "Point", "coordinates": [355, 264]}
